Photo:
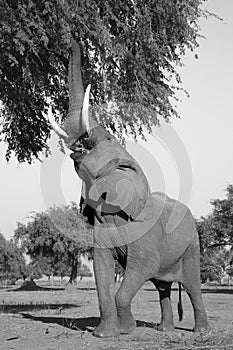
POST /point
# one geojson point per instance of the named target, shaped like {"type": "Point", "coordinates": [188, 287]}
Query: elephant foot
{"type": "Point", "coordinates": [127, 325]}
{"type": "Point", "coordinates": [165, 327]}
{"type": "Point", "coordinates": [202, 326]}
{"type": "Point", "coordinates": [107, 329]}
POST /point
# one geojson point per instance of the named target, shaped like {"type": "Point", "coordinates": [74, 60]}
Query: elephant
{"type": "Point", "coordinates": [152, 236]}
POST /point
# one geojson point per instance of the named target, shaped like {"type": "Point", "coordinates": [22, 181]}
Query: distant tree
{"type": "Point", "coordinates": [214, 264]}
{"type": "Point", "coordinates": [129, 48]}
{"type": "Point", "coordinates": [12, 261]}
{"type": "Point", "coordinates": [33, 271]}
{"type": "Point", "coordinates": [3, 257]}
{"type": "Point", "coordinates": [2, 240]}
{"type": "Point", "coordinates": [62, 269]}
{"type": "Point", "coordinates": [47, 265]}
{"type": "Point", "coordinates": [216, 237]}
{"type": "Point", "coordinates": [58, 237]}
{"type": "Point", "coordinates": [84, 271]}
{"type": "Point", "coordinates": [229, 270]}
{"type": "Point", "coordinates": [78, 236]}
{"type": "Point", "coordinates": [222, 218]}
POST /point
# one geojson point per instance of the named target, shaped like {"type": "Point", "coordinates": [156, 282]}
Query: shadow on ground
{"type": "Point", "coordinates": [219, 290]}
{"type": "Point", "coordinates": [29, 307]}
{"type": "Point", "coordinates": [86, 323]}
{"type": "Point", "coordinates": [33, 287]}
{"type": "Point", "coordinates": [86, 288]}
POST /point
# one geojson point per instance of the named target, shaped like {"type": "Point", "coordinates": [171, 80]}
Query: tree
{"type": "Point", "coordinates": [222, 218]}
{"type": "Point", "coordinates": [129, 50]}
{"type": "Point", "coordinates": [84, 271]}
{"type": "Point", "coordinates": [216, 237]}
{"type": "Point", "coordinates": [54, 239]}
{"type": "Point", "coordinates": [12, 262]}
{"type": "Point", "coordinates": [3, 257]}
{"type": "Point", "coordinates": [209, 269]}
{"type": "Point", "coordinates": [34, 271]}
{"type": "Point", "coordinates": [216, 230]}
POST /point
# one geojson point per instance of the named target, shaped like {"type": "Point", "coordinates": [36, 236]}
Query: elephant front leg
{"type": "Point", "coordinates": [131, 283]}
{"type": "Point", "coordinates": [104, 269]}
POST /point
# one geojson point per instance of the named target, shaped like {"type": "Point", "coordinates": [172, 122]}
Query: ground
{"type": "Point", "coordinates": [61, 319]}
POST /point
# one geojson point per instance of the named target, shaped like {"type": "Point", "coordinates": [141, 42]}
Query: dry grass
{"type": "Point", "coordinates": [48, 311]}
{"type": "Point", "coordinates": [213, 340]}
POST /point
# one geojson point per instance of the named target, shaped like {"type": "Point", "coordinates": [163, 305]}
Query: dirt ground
{"type": "Point", "coordinates": [64, 320]}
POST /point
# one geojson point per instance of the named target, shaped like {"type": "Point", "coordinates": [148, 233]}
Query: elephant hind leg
{"type": "Point", "coordinates": [164, 289]}
{"type": "Point", "coordinates": [192, 285]}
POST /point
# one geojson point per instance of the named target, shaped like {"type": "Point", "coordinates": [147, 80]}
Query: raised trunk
{"type": "Point", "coordinates": [76, 92]}
{"type": "Point", "coordinates": [76, 123]}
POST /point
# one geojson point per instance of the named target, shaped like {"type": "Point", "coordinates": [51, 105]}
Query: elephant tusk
{"type": "Point", "coordinates": [58, 130]}
{"type": "Point", "coordinates": [85, 117]}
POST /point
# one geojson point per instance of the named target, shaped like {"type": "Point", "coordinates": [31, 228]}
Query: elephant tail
{"type": "Point", "coordinates": [179, 306]}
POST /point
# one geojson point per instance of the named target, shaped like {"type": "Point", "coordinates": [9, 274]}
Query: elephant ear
{"type": "Point", "coordinates": [123, 190]}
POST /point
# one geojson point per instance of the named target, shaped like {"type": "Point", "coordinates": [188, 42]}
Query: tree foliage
{"type": "Point", "coordinates": [84, 271]}
{"type": "Point", "coordinates": [129, 50]}
{"type": "Point", "coordinates": [217, 228]}
{"type": "Point", "coordinates": [33, 271]}
{"type": "Point", "coordinates": [55, 240]}
{"type": "Point", "coordinates": [216, 236]}
{"type": "Point", "coordinates": [12, 262]}
{"type": "Point", "coordinates": [222, 218]}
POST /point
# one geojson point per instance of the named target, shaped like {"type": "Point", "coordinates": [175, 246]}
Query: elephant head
{"type": "Point", "coordinates": [113, 181]}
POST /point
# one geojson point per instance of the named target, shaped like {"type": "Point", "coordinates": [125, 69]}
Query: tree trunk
{"type": "Point", "coordinates": [74, 270]}
{"type": "Point", "coordinates": [51, 280]}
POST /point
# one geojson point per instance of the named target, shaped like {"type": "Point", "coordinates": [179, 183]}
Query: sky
{"type": "Point", "coordinates": [190, 159]}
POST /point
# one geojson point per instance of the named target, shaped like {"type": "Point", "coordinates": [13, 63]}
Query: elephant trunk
{"type": "Point", "coordinates": [72, 124]}
{"type": "Point", "coordinates": [76, 123]}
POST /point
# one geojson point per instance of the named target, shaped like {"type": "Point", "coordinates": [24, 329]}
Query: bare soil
{"type": "Point", "coordinates": [63, 319]}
